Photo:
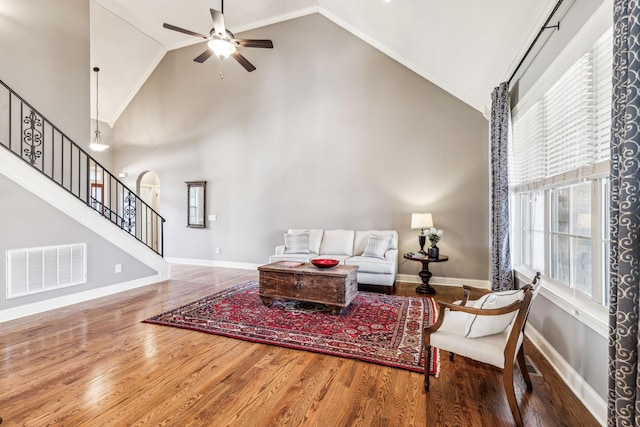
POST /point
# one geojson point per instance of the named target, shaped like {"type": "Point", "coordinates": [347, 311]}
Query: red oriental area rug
{"type": "Point", "coordinates": [376, 328]}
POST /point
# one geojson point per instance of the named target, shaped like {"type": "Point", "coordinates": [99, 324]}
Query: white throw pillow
{"type": "Point", "coordinates": [315, 238]}
{"type": "Point", "coordinates": [296, 243]}
{"type": "Point", "coordinates": [377, 246]}
{"type": "Point", "coordinates": [481, 326]}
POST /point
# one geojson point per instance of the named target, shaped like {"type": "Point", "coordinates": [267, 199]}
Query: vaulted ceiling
{"type": "Point", "coordinates": [465, 47]}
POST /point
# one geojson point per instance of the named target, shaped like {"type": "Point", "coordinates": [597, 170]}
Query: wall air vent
{"type": "Point", "coordinates": [34, 270]}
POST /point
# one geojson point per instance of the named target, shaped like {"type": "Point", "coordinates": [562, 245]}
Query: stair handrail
{"type": "Point", "coordinates": [36, 138]}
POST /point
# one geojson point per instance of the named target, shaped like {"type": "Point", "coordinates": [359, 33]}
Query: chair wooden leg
{"type": "Point", "coordinates": [523, 368]}
{"type": "Point", "coordinates": [507, 377]}
{"type": "Point", "coordinates": [427, 359]}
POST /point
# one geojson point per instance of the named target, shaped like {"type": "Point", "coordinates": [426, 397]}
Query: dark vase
{"type": "Point", "coordinates": [433, 251]}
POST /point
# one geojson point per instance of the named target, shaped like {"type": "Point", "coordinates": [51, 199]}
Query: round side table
{"type": "Point", "coordinates": [425, 274]}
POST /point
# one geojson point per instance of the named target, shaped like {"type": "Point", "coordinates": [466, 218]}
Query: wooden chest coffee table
{"type": "Point", "coordinates": [336, 287]}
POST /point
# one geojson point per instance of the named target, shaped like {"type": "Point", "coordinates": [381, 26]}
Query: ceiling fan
{"type": "Point", "coordinates": [222, 42]}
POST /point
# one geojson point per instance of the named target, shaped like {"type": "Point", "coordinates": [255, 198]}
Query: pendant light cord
{"type": "Point", "coordinates": [97, 132]}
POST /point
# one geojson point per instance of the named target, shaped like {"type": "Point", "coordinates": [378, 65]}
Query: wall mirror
{"type": "Point", "coordinates": [196, 203]}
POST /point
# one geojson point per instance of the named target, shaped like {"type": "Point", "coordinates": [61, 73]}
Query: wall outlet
{"type": "Point", "coordinates": [118, 268]}
{"type": "Point", "coordinates": [217, 250]}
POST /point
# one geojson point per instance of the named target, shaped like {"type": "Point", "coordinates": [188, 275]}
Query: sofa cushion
{"type": "Point", "coordinates": [315, 237]}
{"type": "Point", "coordinates": [371, 265]}
{"type": "Point", "coordinates": [481, 326]}
{"type": "Point", "coordinates": [362, 238]}
{"type": "Point", "coordinates": [296, 243]}
{"type": "Point", "coordinates": [337, 242]}
{"type": "Point", "coordinates": [377, 246]}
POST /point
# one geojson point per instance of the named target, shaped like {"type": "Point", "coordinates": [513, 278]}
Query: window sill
{"type": "Point", "coordinates": [586, 311]}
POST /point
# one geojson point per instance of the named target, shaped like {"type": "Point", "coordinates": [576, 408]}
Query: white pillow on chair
{"type": "Point", "coordinates": [481, 326]}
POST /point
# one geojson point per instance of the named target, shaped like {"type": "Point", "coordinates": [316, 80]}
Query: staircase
{"type": "Point", "coordinates": [28, 135]}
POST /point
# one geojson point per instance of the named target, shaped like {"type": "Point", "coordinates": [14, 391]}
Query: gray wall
{"type": "Point", "coordinates": [327, 132]}
{"type": "Point", "coordinates": [584, 349]}
{"type": "Point", "coordinates": [35, 223]}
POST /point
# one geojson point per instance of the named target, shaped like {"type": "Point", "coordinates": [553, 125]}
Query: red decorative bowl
{"type": "Point", "coordinates": [324, 262]}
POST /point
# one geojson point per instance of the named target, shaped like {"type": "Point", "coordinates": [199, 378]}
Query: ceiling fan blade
{"type": "Point", "coordinates": [204, 56]}
{"type": "Point", "coordinates": [182, 30]}
{"type": "Point", "coordinates": [243, 61]}
{"type": "Point", "coordinates": [218, 21]}
{"type": "Point", "coordinates": [255, 43]}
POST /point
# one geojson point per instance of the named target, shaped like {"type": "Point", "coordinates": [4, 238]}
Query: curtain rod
{"type": "Point", "coordinates": [546, 26]}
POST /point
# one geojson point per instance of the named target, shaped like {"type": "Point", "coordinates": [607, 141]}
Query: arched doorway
{"type": "Point", "coordinates": [148, 189]}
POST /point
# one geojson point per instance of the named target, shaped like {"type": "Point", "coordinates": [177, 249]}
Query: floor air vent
{"type": "Point", "coordinates": [34, 270]}
{"type": "Point", "coordinates": [531, 368]}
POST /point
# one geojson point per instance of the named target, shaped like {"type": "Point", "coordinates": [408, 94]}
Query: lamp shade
{"type": "Point", "coordinates": [421, 220]}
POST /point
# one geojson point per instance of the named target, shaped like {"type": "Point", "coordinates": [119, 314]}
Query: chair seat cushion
{"type": "Point", "coordinates": [451, 337]}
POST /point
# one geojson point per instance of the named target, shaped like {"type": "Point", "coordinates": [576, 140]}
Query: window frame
{"type": "Point", "coordinates": [593, 312]}
{"type": "Point", "coordinates": [589, 310]}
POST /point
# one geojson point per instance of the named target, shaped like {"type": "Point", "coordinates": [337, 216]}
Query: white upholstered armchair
{"type": "Point", "coordinates": [488, 330]}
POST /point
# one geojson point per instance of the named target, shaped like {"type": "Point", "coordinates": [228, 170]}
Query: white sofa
{"type": "Point", "coordinates": [348, 246]}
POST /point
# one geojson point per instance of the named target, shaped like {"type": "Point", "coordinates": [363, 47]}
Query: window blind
{"type": "Point", "coordinates": [602, 66]}
{"type": "Point", "coordinates": [566, 131]}
{"type": "Point", "coordinates": [526, 161]}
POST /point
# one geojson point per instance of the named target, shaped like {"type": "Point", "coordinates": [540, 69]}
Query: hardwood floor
{"type": "Point", "coordinates": [96, 364]}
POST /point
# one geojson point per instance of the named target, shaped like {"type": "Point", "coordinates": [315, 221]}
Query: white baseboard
{"type": "Point", "coordinates": [213, 263]}
{"type": "Point", "coordinates": [63, 301]}
{"type": "Point", "coordinates": [447, 281]}
{"type": "Point", "coordinates": [593, 402]}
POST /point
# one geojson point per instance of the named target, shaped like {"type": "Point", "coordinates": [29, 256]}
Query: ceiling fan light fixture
{"type": "Point", "coordinates": [222, 48]}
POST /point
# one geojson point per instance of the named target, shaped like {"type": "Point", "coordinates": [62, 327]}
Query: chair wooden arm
{"type": "Point", "coordinates": [442, 306]}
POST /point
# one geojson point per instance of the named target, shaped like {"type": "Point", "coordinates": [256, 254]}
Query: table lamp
{"type": "Point", "coordinates": [421, 221]}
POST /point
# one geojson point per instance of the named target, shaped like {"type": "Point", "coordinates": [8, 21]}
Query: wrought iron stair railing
{"type": "Point", "coordinates": [29, 135]}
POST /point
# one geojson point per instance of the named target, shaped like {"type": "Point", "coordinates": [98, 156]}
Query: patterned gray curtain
{"type": "Point", "coordinates": [624, 382]}
{"type": "Point", "coordinates": [501, 272]}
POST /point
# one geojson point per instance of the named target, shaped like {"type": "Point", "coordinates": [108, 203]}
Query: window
{"type": "Point", "coordinates": [570, 235]}
{"type": "Point", "coordinates": [531, 232]}
{"type": "Point", "coordinates": [559, 160]}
